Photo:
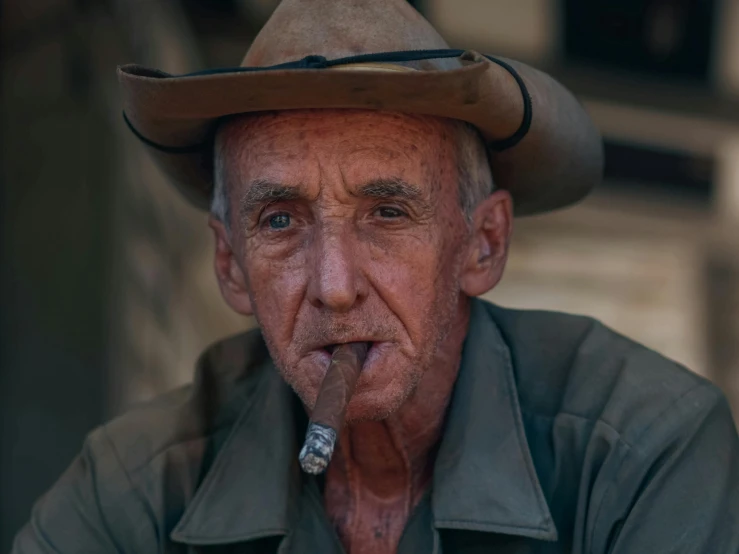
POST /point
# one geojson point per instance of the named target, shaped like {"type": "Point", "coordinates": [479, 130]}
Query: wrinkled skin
{"type": "Point", "coordinates": [346, 226]}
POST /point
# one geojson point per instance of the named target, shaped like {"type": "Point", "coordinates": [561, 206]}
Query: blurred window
{"type": "Point", "coordinates": [659, 37]}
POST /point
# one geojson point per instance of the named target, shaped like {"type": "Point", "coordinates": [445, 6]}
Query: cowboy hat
{"type": "Point", "coordinates": [382, 55]}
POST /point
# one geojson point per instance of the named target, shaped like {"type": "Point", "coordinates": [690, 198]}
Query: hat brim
{"type": "Point", "coordinates": [176, 117]}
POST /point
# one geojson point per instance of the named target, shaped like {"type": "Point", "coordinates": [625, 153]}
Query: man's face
{"type": "Point", "coordinates": [346, 227]}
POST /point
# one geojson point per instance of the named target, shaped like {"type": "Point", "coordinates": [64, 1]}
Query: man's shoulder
{"type": "Point", "coordinates": [187, 418]}
{"type": "Point", "coordinates": [141, 469]}
{"type": "Point", "coordinates": [572, 365]}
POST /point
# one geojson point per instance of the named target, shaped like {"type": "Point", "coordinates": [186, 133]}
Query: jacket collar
{"type": "Point", "coordinates": [484, 477]}
{"type": "Point", "coordinates": [250, 491]}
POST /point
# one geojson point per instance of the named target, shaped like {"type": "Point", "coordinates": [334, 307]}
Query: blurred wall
{"type": "Point", "coordinates": [165, 303]}
{"type": "Point", "coordinates": [53, 383]}
{"type": "Point", "coordinates": [526, 29]}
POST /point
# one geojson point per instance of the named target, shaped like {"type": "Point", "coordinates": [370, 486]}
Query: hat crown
{"type": "Point", "coordinates": [339, 28]}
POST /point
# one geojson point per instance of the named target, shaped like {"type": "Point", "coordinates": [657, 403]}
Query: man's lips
{"type": "Point", "coordinates": [322, 353]}
{"type": "Point", "coordinates": [329, 348]}
{"type": "Point", "coordinates": [329, 345]}
{"type": "Point", "coordinates": [332, 346]}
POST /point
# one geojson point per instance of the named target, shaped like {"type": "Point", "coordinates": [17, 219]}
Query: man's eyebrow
{"type": "Point", "coordinates": [261, 192]}
{"type": "Point", "coordinates": [390, 188]}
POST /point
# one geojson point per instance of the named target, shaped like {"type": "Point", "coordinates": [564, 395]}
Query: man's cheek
{"type": "Point", "coordinates": [409, 290]}
{"type": "Point", "coordinates": [276, 295]}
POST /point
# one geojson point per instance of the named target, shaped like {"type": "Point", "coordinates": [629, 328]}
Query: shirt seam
{"type": "Point", "coordinates": [441, 522]}
{"type": "Point", "coordinates": [581, 417]}
{"type": "Point", "coordinates": [145, 465]}
{"type": "Point", "coordinates": [124, 471]}
{"type": "Point", "coordinates": [213, 430]}
{"type": "Point", "coordinates": [223, 539]}
{"type": "Point", "coordinates": [638, 452]}
{"type": "Point", "coordinates": [106, 530]}
{"type": "Point", "coordinates": [672, 405]}
{"type": "Point", "coordinates": [184, 440]}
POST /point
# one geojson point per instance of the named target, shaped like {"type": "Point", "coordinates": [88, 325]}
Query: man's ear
{"type": "Point", "coordinates": [492, 225]}
{"type": "Point", "coordinates": [231, 278]}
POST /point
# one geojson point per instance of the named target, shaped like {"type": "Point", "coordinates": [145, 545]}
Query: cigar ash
{"type": "Point", "coordinates": [318, 448]}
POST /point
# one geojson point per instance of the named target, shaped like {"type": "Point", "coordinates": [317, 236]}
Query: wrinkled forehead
{"type": "Point", "coordinates": [248, 144]}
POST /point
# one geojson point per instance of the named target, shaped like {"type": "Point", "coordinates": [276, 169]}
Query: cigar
{"type": "Point", "coordinates": [328, 414]}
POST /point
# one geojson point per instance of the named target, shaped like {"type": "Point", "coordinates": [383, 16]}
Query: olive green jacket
{"type": "Point", "coordinates": [562, 436]}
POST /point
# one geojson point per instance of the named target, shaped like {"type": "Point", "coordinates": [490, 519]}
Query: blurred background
{"type": "Point", "coordinates": [107, 288]}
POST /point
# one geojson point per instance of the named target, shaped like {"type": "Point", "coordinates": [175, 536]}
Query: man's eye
{"type": "Point", "coordinates": [279, 221]}
{"type": "Point", "coordinates": [390, 212]}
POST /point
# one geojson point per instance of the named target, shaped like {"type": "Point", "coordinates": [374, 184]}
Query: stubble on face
{"type": "Point", "coordinates": [410, 298]}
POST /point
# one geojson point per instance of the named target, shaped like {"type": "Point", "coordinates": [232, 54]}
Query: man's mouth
{"type": "Point", "coordinates": [375, 349]}
{"type": "Point", "coordinates": [329, 348]}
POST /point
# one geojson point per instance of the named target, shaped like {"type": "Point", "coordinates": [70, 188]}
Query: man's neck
{"type": "Point", "coordinates": [382, 468]}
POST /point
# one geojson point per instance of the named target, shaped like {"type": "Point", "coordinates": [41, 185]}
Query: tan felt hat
{"type": "Point", "coordinates": [380, 55]}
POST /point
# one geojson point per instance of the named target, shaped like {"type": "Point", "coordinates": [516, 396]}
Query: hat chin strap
{"type": "Point", "coordinates": [372, 66]}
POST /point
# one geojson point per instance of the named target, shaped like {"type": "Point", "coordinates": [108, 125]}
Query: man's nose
{"type": "Point", "coordinates": [336, 281]}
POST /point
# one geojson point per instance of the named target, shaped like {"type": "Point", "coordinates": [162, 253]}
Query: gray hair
{"type": "Point", "coordinates": [473, 171]}
{"type": "Point", "coordinates": [473, 168]}
{"type": "Point", "coordinates": [219, 204]}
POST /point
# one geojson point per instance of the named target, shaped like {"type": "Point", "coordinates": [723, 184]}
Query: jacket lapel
{"type": "Point", "coordinates": [484, 478]}
{"type": "Point", "coordinates": [250, 490]}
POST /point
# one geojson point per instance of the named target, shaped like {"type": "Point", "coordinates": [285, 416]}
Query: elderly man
{"type": "Point", "coordinates": [367, 200]}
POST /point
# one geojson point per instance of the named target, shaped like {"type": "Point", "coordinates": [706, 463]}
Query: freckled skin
{"type": "Point", "coordinates": [335, 265]}
{"type": "Point", "coordinates": [340, 269]}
